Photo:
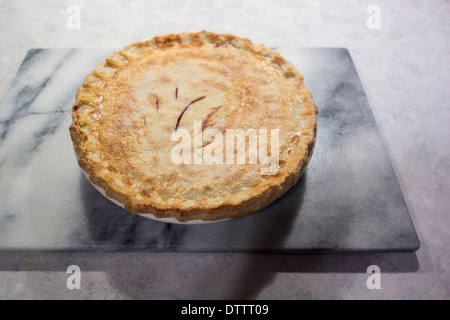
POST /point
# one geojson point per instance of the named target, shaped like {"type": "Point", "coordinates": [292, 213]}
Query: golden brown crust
{"type": "Point", "coordinates": [128, 106]}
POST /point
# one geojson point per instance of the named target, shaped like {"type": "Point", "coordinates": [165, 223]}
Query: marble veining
{"type": "Point", "coordinates": [348, 198]}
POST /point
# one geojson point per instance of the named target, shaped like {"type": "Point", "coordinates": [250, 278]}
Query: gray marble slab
{"type": "Point", "coordinates": [347, 200]}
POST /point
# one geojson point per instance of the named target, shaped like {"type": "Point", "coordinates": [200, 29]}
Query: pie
{"type": "Point", "coordinates": [136, 108]}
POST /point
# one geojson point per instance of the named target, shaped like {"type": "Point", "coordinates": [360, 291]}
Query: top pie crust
{"type": "Point", "coordinates": [128, 107]}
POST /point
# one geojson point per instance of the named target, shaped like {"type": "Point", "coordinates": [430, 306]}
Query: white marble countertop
{"type": "Point", "coordinates": [404, 68]}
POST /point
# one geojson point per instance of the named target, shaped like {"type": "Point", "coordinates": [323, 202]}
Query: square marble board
{"type": "Point", "coordinates": [348, 199]}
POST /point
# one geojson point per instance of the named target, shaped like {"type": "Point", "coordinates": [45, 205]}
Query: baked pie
{"type": "Point", "coordinates": [194, 126]}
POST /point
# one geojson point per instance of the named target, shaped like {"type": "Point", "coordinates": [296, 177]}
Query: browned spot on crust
{"type": "Point", "coordinates": [195, 40]}
{"type": "Point", "coordinates": [168, 179]}
{"type": "Point", "coordinates": [168, 41]}
{"type": "Point", "coordinates": [222, 71]}
{"type": "Point", "coordinates": [295, 139]}
{"type": "Point", "coordinates": [164, 79]}
{"type": "Point", "coordinates": [116, 149]}
{"type": "Point", "coordinates": [217, 85]}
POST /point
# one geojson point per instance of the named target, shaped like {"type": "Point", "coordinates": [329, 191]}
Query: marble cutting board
{"type": "Point", "coordinates": [348, 199]}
